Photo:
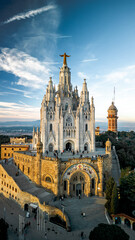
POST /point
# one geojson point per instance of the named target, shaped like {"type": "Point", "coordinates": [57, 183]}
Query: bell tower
{"type": "Point", "coordinates": [112, 118]}
{"type": "Point", "coordinates": [65, 86]}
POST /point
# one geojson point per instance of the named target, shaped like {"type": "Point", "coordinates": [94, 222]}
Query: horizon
{"type": "Point", "coordinates": [100, 42]}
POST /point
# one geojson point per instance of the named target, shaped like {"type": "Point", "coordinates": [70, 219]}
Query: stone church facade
{"type": "Point", "coordinates": [67, 121]}
{"type": "Point", "coordinates": [67, 128]}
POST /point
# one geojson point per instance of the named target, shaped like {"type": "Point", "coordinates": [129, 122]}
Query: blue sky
{"type": "Point", "coordinates": [100, 37]}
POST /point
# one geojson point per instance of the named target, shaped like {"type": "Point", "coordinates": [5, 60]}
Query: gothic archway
{"type": "Point", "coordinates": [68, 146]}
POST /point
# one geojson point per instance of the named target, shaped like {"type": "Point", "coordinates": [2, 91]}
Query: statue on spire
{"type": "Point", "coordinates": [64, 58]}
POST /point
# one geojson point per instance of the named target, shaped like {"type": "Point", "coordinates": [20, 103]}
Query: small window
{"type": "Point", "coordinates": [8, 154]}
{"type": "Point", "coordinates": [28, 170]}
{"type": "Point", "coordinates": [50, 127]}
{"type": "Point", "coordinates": [19, 149]}
{"type": "Point", "coordinates": [5, 149]}
{"type": "Point", "coordinates": [51, 116]}
{"type": "Point", "coordinates": [93, 183]}
{"type": "Point", "coordinates": [66, 106]}
{"type": "Point", "coordinates": [7, 184]}
{"type": "Point", "coordinates": [12, 149]}
{"type": "Point", "coordinates": [65, 185]}
{"type": "Point", "coordinates": [48, 179]}
{"type": "Point", "coordinates": [86, 127]}
{"type": "Point", "coordinates": [4, 154]}
{"type": "Point", "coordinates": [13, 188]}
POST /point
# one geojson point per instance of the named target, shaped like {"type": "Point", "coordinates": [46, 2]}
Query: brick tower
{"type": "Point", "coordinates": [112, 118]}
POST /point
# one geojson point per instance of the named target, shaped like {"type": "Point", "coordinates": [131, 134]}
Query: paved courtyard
{"type": "Point", "coordinates": [93, 208]}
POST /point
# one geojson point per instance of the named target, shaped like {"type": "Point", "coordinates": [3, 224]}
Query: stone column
{"type": "Point", "coordinates": [68, 187]}
{"type": "Point", "coordinates": [100, 185]}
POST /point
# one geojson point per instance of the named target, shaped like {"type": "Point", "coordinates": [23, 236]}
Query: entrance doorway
{"type": "Point", "coordinates": [68, 146]}
{"type": "Point", "coordinates": [78, 189]}
{"type": "Point", "coordinates": [50, 147]}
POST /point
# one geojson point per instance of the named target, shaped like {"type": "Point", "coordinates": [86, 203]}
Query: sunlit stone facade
{"type": "Point", "coordinates": [67, 121]}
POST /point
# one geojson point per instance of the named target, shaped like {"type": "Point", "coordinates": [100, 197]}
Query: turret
{"type": "Point", "coordinates": [84, 98]}
{"type": "Point", "coordinates": [108, 147]}
{"type": "Point", "coordinates": [112, 118]}
{"type": "Point", "coordinates": [38, 162]}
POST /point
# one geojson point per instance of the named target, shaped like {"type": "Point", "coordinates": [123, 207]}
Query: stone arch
{"type": "Point", "coordinates": [69, 144]}
{"type": "Point", "coordinates": [88, 171]}
{"type": "Point", "coordinates": [86, 146]}
{"type": "Point", "coordinates": [127, 222]}
{"type": "Point", "coordinates": [48, 178]}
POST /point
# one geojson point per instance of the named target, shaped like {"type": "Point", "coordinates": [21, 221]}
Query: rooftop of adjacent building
{"type": "Point", "coordinates": [15, 145]}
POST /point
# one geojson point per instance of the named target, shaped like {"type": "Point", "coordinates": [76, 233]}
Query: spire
{"type": "Point", "coordinates": [84, 86]}
{"type": "Point", "coordinates": [64, 58]}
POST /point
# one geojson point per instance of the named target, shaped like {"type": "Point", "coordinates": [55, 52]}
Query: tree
{"type": "Point", "coordinates": [109, 187]}
{"type": "Point", "coordinates": [108, 232]}
{"type": "Point", "coordinates": [114, 200]}
{"type": "Point", "coordinates": [3, 229]}
{"type": "Point", "coordinates": [127, 193]}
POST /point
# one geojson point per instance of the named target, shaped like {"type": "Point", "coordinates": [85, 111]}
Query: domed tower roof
{"type": "Point", "coordinates": [112, 107]}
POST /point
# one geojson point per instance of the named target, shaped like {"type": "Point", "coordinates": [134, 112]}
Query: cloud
{"type": "Point", "coordinates": [18, 111]}
{"type": "Point", "coordinates": [26, 93]}
{"type": "Point", "coordinates": [82, 75]}
{"type": "Point", "coordinates": [29, 70]}
{"type": "Point", "coordinates": [30, 14]}
{"type": "Point", "coordinates": [89, 60]}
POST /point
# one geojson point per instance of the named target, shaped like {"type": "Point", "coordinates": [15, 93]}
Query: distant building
{"type": "Point", "coordinates": [97, 131]}
{"type": "Point", "coordinates": [16, 140]}
{"type": "Point", "coordinates": [112, 118]}
{"type": "Point", "coordinates": [7, 150]}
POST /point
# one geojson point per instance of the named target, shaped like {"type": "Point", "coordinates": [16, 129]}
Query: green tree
{"type": "Point", "coordinates": [108, 232]}
{"type": "Point", "coordinates": [114, 200]}
{"type": "Point", "coordinates": [109, 188]}
{"type": "Point", "coordinates": [127, 193]}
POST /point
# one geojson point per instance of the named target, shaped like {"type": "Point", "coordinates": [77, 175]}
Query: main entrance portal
{"type": "Point", "coordinates": [68, 146]}
{"type": "Point", "coordinates": [77, 184]}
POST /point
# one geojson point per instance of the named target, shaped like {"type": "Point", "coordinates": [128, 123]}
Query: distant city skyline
{"type": "Point", "coordinates": [99, 36]}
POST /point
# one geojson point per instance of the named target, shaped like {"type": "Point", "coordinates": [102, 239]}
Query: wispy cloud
{"type": "Point", "coordinates": [29, 70]}
{"type": "Point", "coordinates": [29, 14]}
{"type": "Point", "coordinates": [89, 60]}
{"type": "Point", "coordinates": [19, 111]}
{"type": "Point", "coordinates": [26, 93]}
{"type": "Point", "coordinates": [82, 75]}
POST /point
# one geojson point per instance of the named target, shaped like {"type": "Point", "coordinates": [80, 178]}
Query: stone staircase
{"type": "Point", "coordinates": [115, 167]}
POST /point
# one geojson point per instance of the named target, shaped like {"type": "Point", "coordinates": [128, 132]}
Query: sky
{"type": "Point", "coordinates": [98, 34]}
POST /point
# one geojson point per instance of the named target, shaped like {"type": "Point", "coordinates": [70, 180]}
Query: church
{"type": "Point", "coordinates": [64, 159]}
{"type": "Point", "coordinates": [67, 121]}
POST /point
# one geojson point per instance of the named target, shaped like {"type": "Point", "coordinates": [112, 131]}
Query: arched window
{"type": "Point", "coordinates": [66, 106]}
{"type": "Point", "coordinates": [48, 179]}
{"type": "Point", "coordinates": [86, 127]}
{"type": "Point", "coordinates": [50, 147]}
{"type": "Point", "coordinates": [93, 183]}
{"type": "Point", "coordinates": [50, 127]}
